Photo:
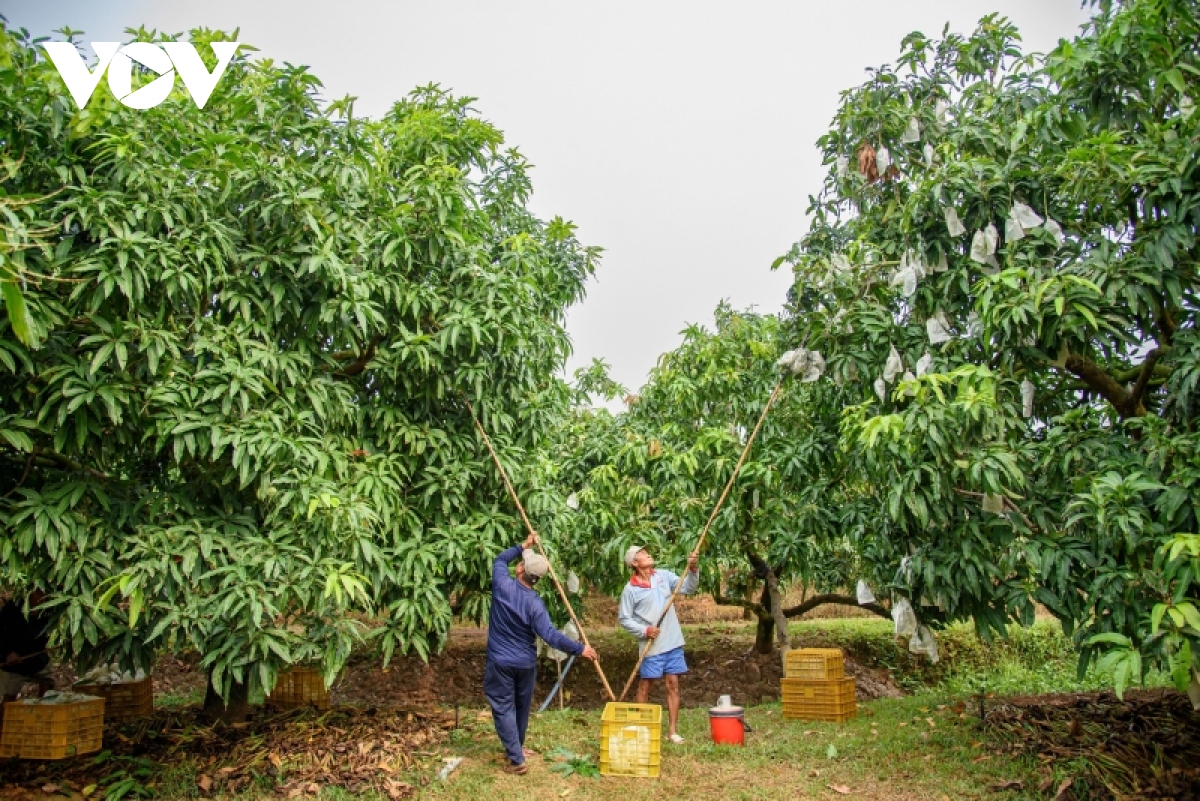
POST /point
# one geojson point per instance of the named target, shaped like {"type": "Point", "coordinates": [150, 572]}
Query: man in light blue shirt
{"type": "Point", "coordinates": [642, 602]}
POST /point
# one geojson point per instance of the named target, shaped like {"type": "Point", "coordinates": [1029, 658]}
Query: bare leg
{"type": "Point", "coordinates": [643, 691]}
{"type": "Point", "coordinates": [672, 683]}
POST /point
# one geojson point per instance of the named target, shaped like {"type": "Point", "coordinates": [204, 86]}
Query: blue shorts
{"type": "Point", "coordinates": [670, 662]}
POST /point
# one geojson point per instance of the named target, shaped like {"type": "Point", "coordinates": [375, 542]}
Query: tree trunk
{"type": "Point", "coordinates": [748, 613]}
{"type": "Point", "coordinates": [235, 710]}
{"type": "Point", "coordinates": [764, 632]}
{"type": "Point", "coordinates": [771, 589]}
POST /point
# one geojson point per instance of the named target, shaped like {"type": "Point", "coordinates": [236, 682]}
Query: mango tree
{"type": "Point", "coordinates": [1001, 273]}
{"type": "Point", "coordinates": [237, 424]}
{"type": "Point", "coordinates": [653, 474]}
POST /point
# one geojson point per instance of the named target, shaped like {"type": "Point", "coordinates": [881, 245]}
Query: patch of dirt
{"type": "Point", "coordinates": [298, 752]}
{"type": "Point", "coordinates": [721, 666]}
{"type": "Point", "coordinates": [1145, 746]}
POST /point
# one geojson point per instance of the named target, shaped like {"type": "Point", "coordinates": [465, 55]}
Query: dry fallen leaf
{"type": "Point", "coordinates": [204, 782]}
{"type": "Point", "coordinates": [1062, 788]}
{"type": "Point", "coordinates": [1009, 785]}
{"type": "Point", "coordinates": [840, 789]}
{"type": "Point", "coordinates": [814, 773]}
{"type": "Point", "coordinates": [979, 759]}
{"type": "Point", "coordinates": [49, 788]}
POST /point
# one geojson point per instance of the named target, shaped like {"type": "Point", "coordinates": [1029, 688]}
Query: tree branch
{"type": "Point", "coordinates": [1099, 381]}
{"type": "Point", "coordinates": [1128, 404]}
{"type": "Point", "coordinates": [755, 607]}
{"type": "Point", "coordinates": [359, 364]}
{"type": "Point", "coordinates": [62, 461]}
{"type": "Point", "coordinates": [833, 598]}
{"type": "Point", "coordinates": [1143, 381]}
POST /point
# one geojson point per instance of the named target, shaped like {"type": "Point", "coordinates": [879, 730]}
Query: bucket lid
{"type": "Point", "coordinates": [725, 711]}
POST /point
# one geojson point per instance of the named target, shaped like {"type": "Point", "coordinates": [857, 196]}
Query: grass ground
{"type": "Point", "coordinates": [919, 747]}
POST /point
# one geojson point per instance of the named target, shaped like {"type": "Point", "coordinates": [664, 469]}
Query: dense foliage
{"type": "Point", "coordinates": [653, 474]}
{"type": "Point", "coordinates": [231, 409]}
{"type": "Point", "coordinates": [1006, 299]}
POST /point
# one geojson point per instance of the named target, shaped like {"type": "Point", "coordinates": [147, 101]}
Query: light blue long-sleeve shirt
{"type": "Point", "coordinates": [641, 606]}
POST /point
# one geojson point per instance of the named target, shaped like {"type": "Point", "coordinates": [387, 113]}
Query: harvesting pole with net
{"type": "Point", "coordinates": [537, 541]}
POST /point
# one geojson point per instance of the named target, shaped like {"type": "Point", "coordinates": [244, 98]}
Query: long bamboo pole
{"type": "Point", "coordinates": [704, 533]}
{"type": "Point", "coordinates": [557, 584]}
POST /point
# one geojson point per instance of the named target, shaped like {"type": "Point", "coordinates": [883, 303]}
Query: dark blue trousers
{"type": "Point", "coordinates": [509, 691]}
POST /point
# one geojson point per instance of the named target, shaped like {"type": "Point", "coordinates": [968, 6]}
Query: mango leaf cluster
{"type": "Point", "coordinates": [653, 474]}
{"type": "Point", "coordinates": [234, 421]}
{"type": "Point", "coordinates": [1001, 273]}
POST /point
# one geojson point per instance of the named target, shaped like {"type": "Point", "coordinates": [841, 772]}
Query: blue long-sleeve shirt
{"type": "Point", "coordinates": [518, 617]}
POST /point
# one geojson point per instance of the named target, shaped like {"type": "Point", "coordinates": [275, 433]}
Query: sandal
{"type": "Point", "coordinates": [676, 739]}
{"type": "Point", "coordinates": [516, 770]}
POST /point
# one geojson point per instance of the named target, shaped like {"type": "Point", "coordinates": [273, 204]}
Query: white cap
{"type": "Point", "coordinates": [631, 553]}
{"type": "Point", "coordinates": [536, 565]}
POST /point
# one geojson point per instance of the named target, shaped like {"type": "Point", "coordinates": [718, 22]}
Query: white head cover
{"type": "Point", "coordinates": [536, 565]}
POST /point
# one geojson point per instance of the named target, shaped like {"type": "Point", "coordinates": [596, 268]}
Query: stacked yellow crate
{"type": "Point", "coordinates": [815, 686]}
{"type": "Point", "coordinates": [52, 729]}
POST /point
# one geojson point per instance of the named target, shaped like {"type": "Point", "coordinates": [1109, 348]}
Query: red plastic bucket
{"type": "Point", "coordinates": [727, 725]}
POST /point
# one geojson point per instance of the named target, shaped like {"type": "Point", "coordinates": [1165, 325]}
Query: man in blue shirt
{"type": "Point", "coordinates": [517, 618]}
{"type": "Point", "coordinates": [642, 602]}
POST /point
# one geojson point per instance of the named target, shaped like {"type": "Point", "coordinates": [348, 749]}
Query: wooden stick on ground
{"type": "Point", "coordinates": [704, 533]}
{"type": "Point", "coordinates": [558, 585]}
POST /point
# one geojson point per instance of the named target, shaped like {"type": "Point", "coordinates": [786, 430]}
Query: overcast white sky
{"type": "Point", "coordinates": [679, 136]}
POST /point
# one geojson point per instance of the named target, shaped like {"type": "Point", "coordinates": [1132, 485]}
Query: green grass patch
{"type": "Point", "coordinates": [916, 747]}
{"type": "Point", "coordinates": [1031, 660]}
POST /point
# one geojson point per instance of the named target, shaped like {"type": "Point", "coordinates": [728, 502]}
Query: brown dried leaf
{"type": "Point", "coordinates": [204, 782]}
{"type": "Point", "coordinates": [1063, 787]}
{"type": "Point", "coordinates": [866, 163]}
{"type": "Point", "coordinates": [840, 789]}
{"type": "Point", "coordinates": [1008, 785]}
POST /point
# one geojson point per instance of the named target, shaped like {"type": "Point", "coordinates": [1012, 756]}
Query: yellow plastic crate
{"type": "Point", "coordinates": [815, 663]}
{"type": "Point", "coordinates": [126, 700]}
{"type": "Point", "coordinates": [833, 700]}
{"type": "Point", "coordinates": [631, 740]}
{"type": "Point", "coordinates": [52, 731]}
{"type": "Point", "coordinates": [298, 687]}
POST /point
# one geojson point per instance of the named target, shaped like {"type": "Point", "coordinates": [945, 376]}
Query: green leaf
{"type": "Point", "coordinates": [18, 315]}
{"type": "Point", "coordinates": [1174, 77]}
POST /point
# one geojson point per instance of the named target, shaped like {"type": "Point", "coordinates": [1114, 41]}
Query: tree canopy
{"type": "Point", "coordinates": [231, 412]}
{"type": "Point", "coordinates": [653, 474]}
{"type": "Point", "coordinates": [1001, 273]}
